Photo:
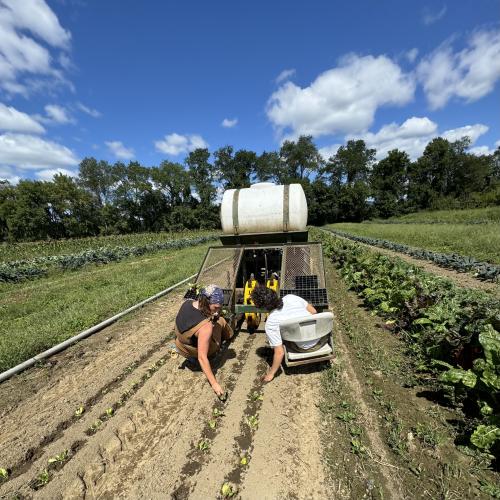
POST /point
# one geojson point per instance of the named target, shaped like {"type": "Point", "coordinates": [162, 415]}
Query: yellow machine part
{"type": "Point", "coordinates": [252, 319]}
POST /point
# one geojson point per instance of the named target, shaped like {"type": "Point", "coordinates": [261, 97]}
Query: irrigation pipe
{"type": "Point", "coordinates": [86, 333]}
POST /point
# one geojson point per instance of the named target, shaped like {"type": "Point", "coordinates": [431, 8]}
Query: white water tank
{"type": "Point", "coordinates": [264, 208]}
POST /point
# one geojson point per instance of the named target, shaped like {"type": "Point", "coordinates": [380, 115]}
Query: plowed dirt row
{"type": "Point", "coordinates": [143, 420]}
{"type": "Point", "coordinates": [151, 430]}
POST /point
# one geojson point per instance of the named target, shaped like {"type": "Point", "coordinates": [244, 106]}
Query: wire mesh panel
{"type": "Point", "coordinates": [302, 273]}
{"type": "Point", "coordinates": [302, 260]}
{"type": "Point", "coordinates": [220, 267]}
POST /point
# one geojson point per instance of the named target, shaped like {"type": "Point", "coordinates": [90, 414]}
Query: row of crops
{"type": "Point", "coordinates": [31, 249]}
{"type": "Point", "coordinates": [452, 333]}
{"type": "Point", "coordinates": [20, 270]}
{"type": "Point", "coordinates": [482, 270]}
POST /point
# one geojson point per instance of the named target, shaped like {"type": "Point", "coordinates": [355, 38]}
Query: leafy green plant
{"type": "Point", "coordinates": [4, 475]}
{"type": "Point", "coordinates": [212, 424]}
{"type": "Point", "coordinates": [79, 411]}
{"type": "Point", "coordinates": [228, 490]}
{"type": "Point", "coordinates": [42, 479]}
{"type": "Point", "coordinates": [257, 396]}
{"type": "Point", "coordinates": [253, 422]}
{"type": "Point", "coordinates": [61, 457]}
{"type": "Point", "coordinates": [357, 447]}
{"type": "Point", "coordinates": [428, 435]}
{"type": "Point", "coordinates": [217, 413]}
{"type": "Point", "coordinates": [346, 416]}
{"type": "Point", "coordinates": [204, 445]}
{"type": "Point", "coordinates": [445, 327]}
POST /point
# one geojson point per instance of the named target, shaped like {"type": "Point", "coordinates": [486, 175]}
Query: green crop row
{"type": "Point", "coordinates": [453, 332]}
{"type": "Point", "coordinates": [31, 249]}
{"type": "Point", "coordinates": [21, 270]}
{"type": "Point", "coordinates": [482, 270]}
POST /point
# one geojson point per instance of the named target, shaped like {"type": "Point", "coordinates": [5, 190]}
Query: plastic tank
{"type": "Point", "coordinates": [264, 208]}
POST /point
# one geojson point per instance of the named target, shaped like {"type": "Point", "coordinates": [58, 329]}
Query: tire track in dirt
{"type": "Point", "coordinates": [83, 375]}
{"type": "Point", "coordinates": [287, 459]}
{"type": "Point", "coordinates": [236, 433]}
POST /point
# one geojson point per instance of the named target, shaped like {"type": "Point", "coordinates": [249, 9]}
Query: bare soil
{"type": "Point", "coordinates": [144, 428]}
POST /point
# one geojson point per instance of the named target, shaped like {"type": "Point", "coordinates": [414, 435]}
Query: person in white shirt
{"type": "Point", "coordinates": [289, 307]}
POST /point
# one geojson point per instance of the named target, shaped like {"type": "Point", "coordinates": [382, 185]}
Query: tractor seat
{"type": "Point", "coordinates": [307, 328]}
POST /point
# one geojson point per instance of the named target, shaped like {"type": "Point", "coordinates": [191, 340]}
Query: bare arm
{"type": "Point", "coordinates": [204, 335]}
{"type": "Point", "coordinates": [277, 359]}
{"type": "Point", "coordinates": [310, 308]}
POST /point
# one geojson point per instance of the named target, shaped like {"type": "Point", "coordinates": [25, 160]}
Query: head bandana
{"type": "Point", "coordinates": [214, 294]}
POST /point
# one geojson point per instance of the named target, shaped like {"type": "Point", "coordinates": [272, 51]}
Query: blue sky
{"type": "Point", "coordinates": [151, 80]}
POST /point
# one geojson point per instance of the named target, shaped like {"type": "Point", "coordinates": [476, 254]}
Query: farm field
{"type": "Point", "coordinates": [480, 241]}
{"type": "Point", "coordinates": [36, 314]}
{"type": "Point", "coordinates": [144, 428]}
{"type": "Point", "coordinates": [464, 216]}
{"type": "Point", "coordinates": [31, 250]}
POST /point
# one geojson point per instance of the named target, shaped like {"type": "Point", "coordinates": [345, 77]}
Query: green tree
{"type": "Point", "coordinates": [99, 178]}
{"type": "Point", "coordinates": [202, 174]}
{"type": "Point", "coordinates": [300, 158]}
{"type": "Point", "coordinates": [388, 183]}
{"type": "Point", "coordinates": [348, 173]}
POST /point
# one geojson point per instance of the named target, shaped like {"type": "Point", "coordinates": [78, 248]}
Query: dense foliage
{"type": "Point", "coordinates": [350, 186]}
{"type": "Point", "coordinates": [482, 270]}
{"type": "Point", "coordinates": [453, 332]}
{"type": "Point", "coordinates": [16, 271]}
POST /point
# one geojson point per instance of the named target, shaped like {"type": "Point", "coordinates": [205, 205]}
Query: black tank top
{"type": "Point", "coordinates": [188, 316]}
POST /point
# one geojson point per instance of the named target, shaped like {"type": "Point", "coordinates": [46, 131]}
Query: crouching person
{"type": "Point", "coordinates": [200, 331]}
{"type": "Point", "coordinates": [289, 307]}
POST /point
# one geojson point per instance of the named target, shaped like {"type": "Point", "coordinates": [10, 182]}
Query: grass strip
{"type": "Point", "coordinates": [36, 316]}
{"type": "Point", "coordinates": [480, 242]}
{"type": "Point", "coordinates": [462, 216]}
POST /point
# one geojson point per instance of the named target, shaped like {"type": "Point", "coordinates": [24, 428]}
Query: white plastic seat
{"type": "Point", "coordinates": [305, 329]}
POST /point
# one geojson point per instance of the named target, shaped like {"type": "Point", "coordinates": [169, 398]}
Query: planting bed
{"type": "Point", "coordinates": [115, 417]}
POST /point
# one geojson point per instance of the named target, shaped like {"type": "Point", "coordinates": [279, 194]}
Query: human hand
{"type": "Point", "coordinates": [218, 389]}
{"type": "Point", "coordinates": [268, 377]}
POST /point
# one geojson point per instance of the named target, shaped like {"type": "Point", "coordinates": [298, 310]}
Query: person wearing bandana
{"type": "Point", "coordinates": [200, 330]}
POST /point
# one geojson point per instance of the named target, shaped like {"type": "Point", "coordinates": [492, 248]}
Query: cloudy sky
{"type": "Point", "coordinates": [153, 80]}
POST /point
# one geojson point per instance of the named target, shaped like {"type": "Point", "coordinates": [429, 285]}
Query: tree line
{"type": "Point", "coordinates": [350, 186]}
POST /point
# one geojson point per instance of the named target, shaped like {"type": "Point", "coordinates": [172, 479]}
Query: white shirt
{"type": "Point", "coordinates": [293, 307]}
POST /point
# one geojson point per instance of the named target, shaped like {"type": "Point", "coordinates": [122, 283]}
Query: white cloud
{"type": "Point", "coordinates": [468, 74]}
{"type": "Point", "coordinates": [472, 131]}
{"type": "Point", "coordinates": [23, 25]}
{"type": "Point", "coordinates": [16, 121]}
{"type": "Point", "coordinates": [497, 144]}
{"type": "Point", "coordinates": [481, 150]}
{"type": "Point", "coordinates": [227, 123]}
{"type": "Point", "coordinates": [31, 152]}
{"type": "Point", "coordinates": [175, 144]}
{"type": "Point", "coordinates": [119, 150]}
{"type": "Point", "coordinates": [286, 74]}
{"type": "Point", "coordinates": [58, 114]}
{"type": "Point", "coordinates": [48, 174]}
{"type": "Point", "coordinates": [341, 100]}
{"type": "Point", "coordinates": [328, 151]}
{"type": "Point", "coordinates": [430, 17]}
{"type": "Point", "coordinates": [89, 111]}
{"type": "Point", "coordinates": [412, 136]}
{"type": "Point", "coordinates": [412, 54]}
